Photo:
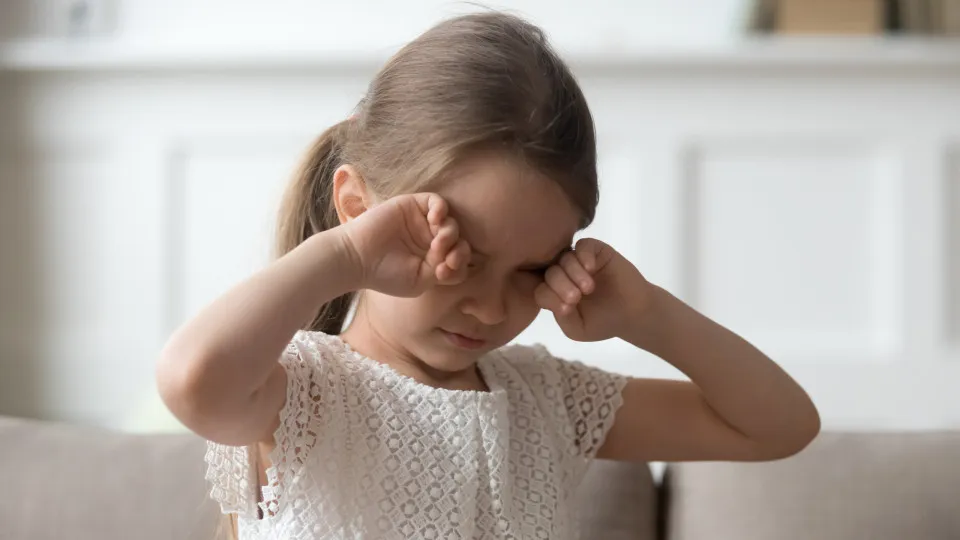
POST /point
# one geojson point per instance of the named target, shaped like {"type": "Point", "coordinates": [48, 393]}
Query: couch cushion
{"type": "Point", "coordinates": [64, 481]}
{"type": "Point", "coordinates": [618, 501]}
{"type": "Point", "coordinates": [68, 481]}
{"type": "Point", "coordinates": [877, 486]}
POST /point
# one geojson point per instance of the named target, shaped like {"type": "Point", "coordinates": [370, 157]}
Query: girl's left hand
{"type": "Point", "coordinates": [595, 293]}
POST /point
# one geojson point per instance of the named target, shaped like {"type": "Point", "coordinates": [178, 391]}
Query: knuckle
{"type": "Point", "coordinates": [553, 273]}
{"type": "Point", "coordinates": [568, 259]}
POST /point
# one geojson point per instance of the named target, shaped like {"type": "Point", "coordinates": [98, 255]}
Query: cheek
{"type": "Point", "coordinates": [427, 308]}
{"type": "Point", "coordinates": [524, 284]}
{"type": "Point", "coordinates": [523, 305]}
{"type": "Point", "coordinates": [399, 313]}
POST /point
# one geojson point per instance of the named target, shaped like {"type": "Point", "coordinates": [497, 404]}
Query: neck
{"type": "Point", "coordinates": [366, 339]}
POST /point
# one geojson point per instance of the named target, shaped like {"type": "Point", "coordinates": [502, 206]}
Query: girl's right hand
{"type": "Point", "coordinates": [408, 244]}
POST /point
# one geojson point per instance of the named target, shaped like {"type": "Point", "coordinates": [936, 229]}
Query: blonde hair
{"type": "Point", "coordinates": [476, 82]}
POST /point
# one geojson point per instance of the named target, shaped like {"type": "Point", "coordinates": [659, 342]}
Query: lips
{"type": "Point", "coordinates": [464, 341]}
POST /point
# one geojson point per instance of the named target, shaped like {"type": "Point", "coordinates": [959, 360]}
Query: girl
{"type": "Point", "coordinates": [444, 212]}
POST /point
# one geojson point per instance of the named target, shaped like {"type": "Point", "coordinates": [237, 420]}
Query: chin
{"type": "Point", "coordinates": [453, 352]}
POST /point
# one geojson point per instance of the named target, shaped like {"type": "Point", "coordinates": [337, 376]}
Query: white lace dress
{"type": "Point", "coordinates": [363, 452]}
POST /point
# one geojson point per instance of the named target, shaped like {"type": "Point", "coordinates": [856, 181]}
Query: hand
{"type": "Point", "coordinates": [407, 244]}
{"type": "Point", "coordinates": [595, 293]}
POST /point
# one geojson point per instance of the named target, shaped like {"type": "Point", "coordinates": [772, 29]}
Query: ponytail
{"type": "Point", "coordinates": [308, 208]}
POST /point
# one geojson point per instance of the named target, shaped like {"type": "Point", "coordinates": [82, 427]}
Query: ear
{"type": "Point", "coordinates": [349, 193]}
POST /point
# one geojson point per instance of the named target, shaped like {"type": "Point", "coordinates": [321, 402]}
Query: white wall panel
{"type": "Point", "coordinates": [796, 243]}
{"type": "Point", "coordinates": [224, 196]}
{"type": "Point", "coordinates": [81, 274]}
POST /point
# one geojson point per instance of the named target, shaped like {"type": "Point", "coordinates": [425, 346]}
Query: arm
{"type": "Point", "coordinates": [219, 373]}
{"type": "Point", "coordinates": [738, 406]}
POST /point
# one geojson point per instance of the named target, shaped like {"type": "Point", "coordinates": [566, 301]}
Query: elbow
{"type": "Point", "coordinates": [182, 385]}
{"type": "Point", "coordinates": [795, 438]}
{"type": "Point", "coordinates": [807, 428]}
{"type": "Point", "coordinates": [193, 387]}
{"type": "Point", "coordinates": [810, 430]}
{"type": "Point", "coordinates": [176, 386]}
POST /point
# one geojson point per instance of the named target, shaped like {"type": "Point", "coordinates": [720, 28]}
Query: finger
{"type": "Point", "coordinates": [444, 275]}
{"type": "Point", "coordinates": [458, 257]}
{"type": "Point", "coordinates": [562, 285]}
{"type": "Point", "coordinates": [586, 253]}
{"type": "Point", "coordinates": [576, 272]}
{"type": "Point", "coordinates": [453, 269]}
{"type": "Point", "coordinates": [547, 299]}
{"type": "Point", "coordinates": [436, 209]}
{"type": "Point", "coordinates": [447, 236]}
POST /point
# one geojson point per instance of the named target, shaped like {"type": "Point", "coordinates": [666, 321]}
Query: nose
{"type": "Point", "coordinates": [487, 302]}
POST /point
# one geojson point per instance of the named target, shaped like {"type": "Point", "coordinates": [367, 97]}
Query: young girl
{"type": "Point", "coordinates": [443, 210]}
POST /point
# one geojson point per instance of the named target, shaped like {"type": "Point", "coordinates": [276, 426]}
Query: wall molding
{"type": "Point", "coordinates": [885, 236]}
{"type": "Point", "coordinates": [902, 56]}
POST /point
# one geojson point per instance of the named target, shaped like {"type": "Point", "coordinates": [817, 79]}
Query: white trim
{"type": "Point", "coordinates": [874, 53]}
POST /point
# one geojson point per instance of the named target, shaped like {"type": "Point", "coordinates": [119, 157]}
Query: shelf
{"type": "Point", "coordinates": [878, 53]}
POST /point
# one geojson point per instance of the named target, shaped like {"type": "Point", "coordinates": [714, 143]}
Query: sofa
{"type": "Point", "coordinates": [72, 482]}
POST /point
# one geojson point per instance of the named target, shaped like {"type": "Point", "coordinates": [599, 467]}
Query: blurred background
{"type": "Point", "coordinates": [791, 168]}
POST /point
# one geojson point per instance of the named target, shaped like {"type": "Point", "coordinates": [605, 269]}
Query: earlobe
{"type": "Point", "coordinates": [349, 193]}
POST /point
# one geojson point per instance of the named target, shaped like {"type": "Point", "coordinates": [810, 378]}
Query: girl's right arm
{"type": "Point", "coordinates": [219, 373]}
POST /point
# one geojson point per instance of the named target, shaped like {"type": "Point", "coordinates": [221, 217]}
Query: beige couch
{"type": "Point", "coordinates": [67, 482]}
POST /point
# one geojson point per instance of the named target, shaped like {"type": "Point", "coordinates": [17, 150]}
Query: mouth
{"type": "Point", "coordinates": [464, 342]}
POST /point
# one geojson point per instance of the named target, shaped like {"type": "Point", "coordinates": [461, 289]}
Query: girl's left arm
{"type": "Point", "coordinates": [738, 405]}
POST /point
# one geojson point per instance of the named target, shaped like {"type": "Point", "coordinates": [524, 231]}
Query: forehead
{"type": "Point", "coordinates": [506, 207]}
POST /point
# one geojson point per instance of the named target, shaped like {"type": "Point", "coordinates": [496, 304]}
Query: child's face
{"type": "Point", "coordinates": [517, 222]}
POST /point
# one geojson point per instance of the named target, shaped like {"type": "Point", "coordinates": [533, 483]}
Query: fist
{"type": "Point", "coordinates": [407, 244]}
{"type": "Point", "coordinates": [594, 292]}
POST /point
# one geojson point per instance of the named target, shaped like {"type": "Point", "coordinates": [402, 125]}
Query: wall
{"type": "Point", "coordinates": [804, 194]}
{"type": "Point", "coordinates": [364, 24]}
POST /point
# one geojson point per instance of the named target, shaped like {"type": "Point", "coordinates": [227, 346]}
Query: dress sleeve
{"type": "Point", "coordinates": [232, 470]}
{"type": "Point", "coordinates": [582, 400]}
{"type": "Point", "coordinates": [591, 397]}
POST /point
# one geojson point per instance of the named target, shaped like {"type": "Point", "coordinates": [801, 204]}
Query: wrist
{"type": "Point", "coordinates": [649, 321]}
{"type": "Point", "coordinates": [350, 257]}
{"type": "Point", "coordinates": [334, 248]}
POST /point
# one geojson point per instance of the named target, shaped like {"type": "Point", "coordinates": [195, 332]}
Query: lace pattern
{"type": "Point", "coordinates": [365, 452]}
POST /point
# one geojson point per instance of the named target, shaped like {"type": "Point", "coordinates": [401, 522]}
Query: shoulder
{"type": "Point", "coordinates": [537, 367]}
{"type": "Point", "coordinates": [537, 358]}
{"type": "Point", "coordinates": [522, 354]}
{"type": "Point", "coordinates": [524, 360]}
{"type": "Point", "coordinates": [310, 352]}
{"type": "Point", "coordinates": [315, 341]}
{"type": "Point", "coordinates": [531, 368]}
{"type": "Point", "coordinates": [313, 349]}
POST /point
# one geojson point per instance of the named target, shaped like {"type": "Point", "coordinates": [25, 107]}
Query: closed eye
{"type": "Point", "coordinates": [540, 271]}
